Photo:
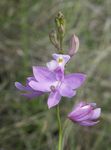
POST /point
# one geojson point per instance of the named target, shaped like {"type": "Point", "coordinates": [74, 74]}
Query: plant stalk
{"type": "Point", "coordinates": [60, 129]}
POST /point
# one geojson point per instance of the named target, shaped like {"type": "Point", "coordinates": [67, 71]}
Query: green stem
{"type": "Point", "coordinates": [60, 129]}
{"type": "Point", "coordinates": [61, 41]}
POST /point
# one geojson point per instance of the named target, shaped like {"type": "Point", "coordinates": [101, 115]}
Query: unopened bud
{"type": "Point", "coordinates": [53, 39]}
{"type": "Point", "coordinates": [60, 23]}
{"type": "Point", "coordinates": [74, 45]}
{"type": "Point", "coordinates": [61, 29]}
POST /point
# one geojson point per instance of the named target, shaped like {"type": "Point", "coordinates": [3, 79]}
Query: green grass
{"type": "Point", "coordinates": [24, 29]}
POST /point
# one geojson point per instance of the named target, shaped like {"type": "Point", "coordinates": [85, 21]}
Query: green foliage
{"type": "Point", "coordinates": [24, 28]}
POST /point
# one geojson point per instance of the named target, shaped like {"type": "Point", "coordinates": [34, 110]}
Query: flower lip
{"type": "Point", "coordinates": [60, 60]}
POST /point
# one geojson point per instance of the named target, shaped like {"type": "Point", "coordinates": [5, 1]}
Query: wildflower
{"type": "Point", "coordinates": [58, 62]}
{"type": "Point", "coordinates": [29, 92]}
{"type": "Point", "coordinates": [74, 45]}
{"type": "Point", "coordinates": [85, 114]}
{"type": "Point", "coordinates": [56, 83]}
{"type": "Point", "coordinates": [52, 79]}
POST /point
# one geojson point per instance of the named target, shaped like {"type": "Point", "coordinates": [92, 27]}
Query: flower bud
{"type": "Point", "coordinates": [85, 114]}
{"type": "Point", "coordinates": [74, 45]}
{"type": "Point", "coordinates": [60, 23]}
{"type": "Point", "coordinates": [53, 39]}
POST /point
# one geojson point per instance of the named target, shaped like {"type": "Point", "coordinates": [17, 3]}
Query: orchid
{"type": "Point", "coordinates": [52, 79]}
{"type": "Point", "coordinates": [56, 83]}
{"type": "Point", "coordinates": [58, 62]}
{"type": "Point", "coordinates": [85, 114]}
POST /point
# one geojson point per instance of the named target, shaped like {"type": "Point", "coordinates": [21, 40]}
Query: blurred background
{"type": "Point", "coordinates": [24, 28]}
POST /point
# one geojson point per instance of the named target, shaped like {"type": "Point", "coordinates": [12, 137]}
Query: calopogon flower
{"type": "Point", "coordinates": [74, 45]}
{"type": "Point", "coordinates": [85, 114]}
{"type": "Point", "coordinates": [27, 90]}
{"type": "Point", "coordinates": [58, 62]}
{"type": "Point", "coordinates": [56, 83]}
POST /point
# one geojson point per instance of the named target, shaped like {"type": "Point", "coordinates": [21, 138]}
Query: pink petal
{"type": "Point", "coordinates": [65, 57]}
{"type": "Point", "coordinates": [74, 80]}
{"type": "Point", "coordinates": [88, 123]}
{"type": "Point", "coordinates": [83, 118]}
{"type": "Point", "coordinates": [42, 86]}
{"type": "Point", "coordinates": [54, 99]}
{"type": "Point", "coordinates": [43, 74]}
{"type": "Point", "coordinates": [96, 114]}
{"type": "Point", "coordinates": [19, 86]}
{"type": "Point", "coordinates": [78, 113]}
{"type": "Point", "coordinates": [52, 65]}
{"type": "Point", "coordinates": [66, 91]}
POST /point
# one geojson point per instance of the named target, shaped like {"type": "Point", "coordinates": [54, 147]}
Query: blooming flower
{"type": "Point", "coordinates": [51, 79]}
{"type": "Point", "coordinates": [29, 92]}
{"type": "Point", "coordinates": [58, 62]}
{"type": "Point", "coordinates": [56, 83]}
{"type": "Point", "coordinates": [74, 45]}
{"type": "Point", "coordinates": [85, 114]}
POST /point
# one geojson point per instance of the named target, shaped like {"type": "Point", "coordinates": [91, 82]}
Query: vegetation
{"type": "Point", "coordinates": [24, 28]}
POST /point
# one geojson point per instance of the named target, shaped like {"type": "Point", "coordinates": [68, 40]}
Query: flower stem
{"type": "Point", "coordinates": [60, 129]}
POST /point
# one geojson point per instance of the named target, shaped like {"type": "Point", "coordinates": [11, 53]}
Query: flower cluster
{"type": "Point", "coordinates": [53, 80]}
